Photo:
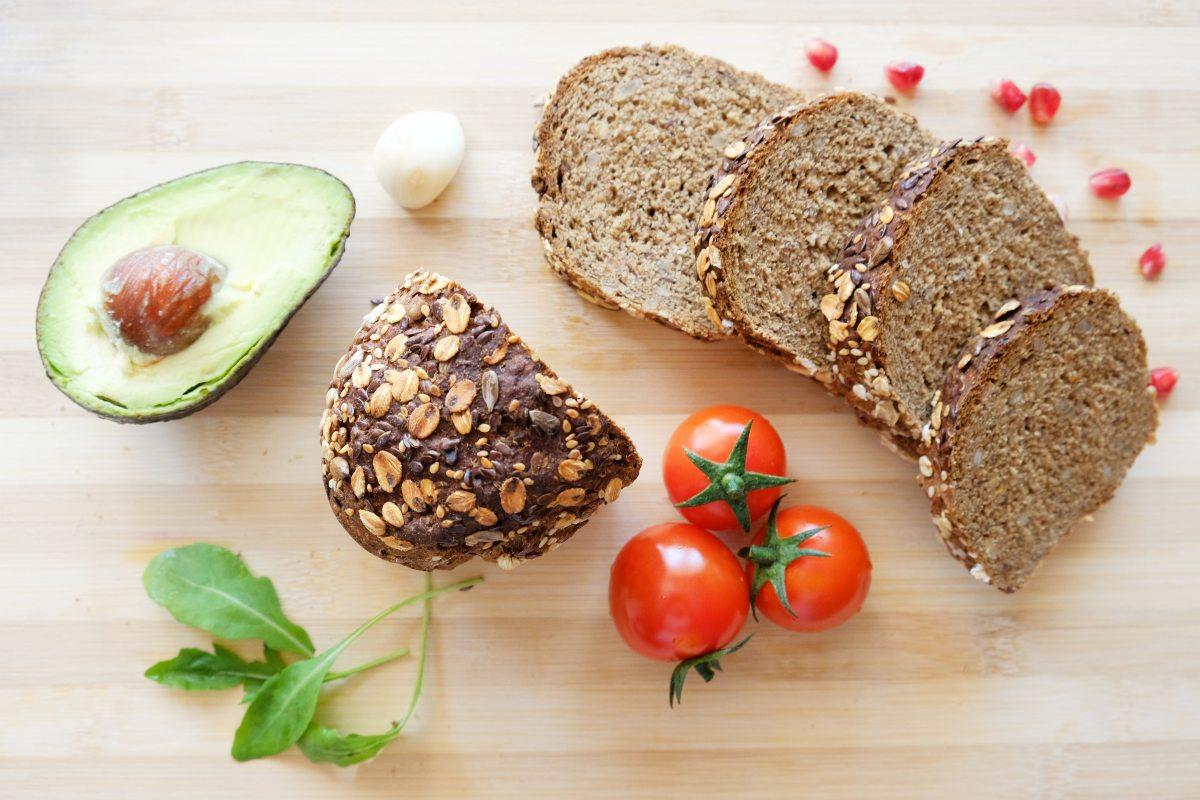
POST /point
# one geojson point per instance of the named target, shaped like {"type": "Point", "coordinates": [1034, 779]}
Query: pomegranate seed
{"type": "Point", "coordinates": [1044, 101]}
{"type": "Point", "coordinates": [1024, 153]}
{"type": "Point", "coordinates": [1007, 94]}
{"type": "Point", "coordinates": [1163, 380]}
{"type": "Point", "coordinates": [1110, 183]}
{"type": "Point", "coordinates": [1061, 206]}
{"type": "Point", "coordinates": [821, 54]}
{"type": "Point", "coordinates": [1152, 262]}
{"type": "Point", "coordinates": [904, 75]}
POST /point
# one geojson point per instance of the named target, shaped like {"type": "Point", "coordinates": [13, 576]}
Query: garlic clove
{"type": "Point", "coordinates": [418, 155]}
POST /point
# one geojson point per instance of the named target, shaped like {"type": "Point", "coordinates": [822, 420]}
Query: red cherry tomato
{"type": "Point", "coordinates": [676, 592]}
{"type": "Point", "coordinates": [823, 590]}
{"type": "Point", "coordinates": [712, 433]}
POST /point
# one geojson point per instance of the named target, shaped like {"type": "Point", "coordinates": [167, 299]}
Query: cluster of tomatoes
{"type": "Point", "coordinates": [677, 590]}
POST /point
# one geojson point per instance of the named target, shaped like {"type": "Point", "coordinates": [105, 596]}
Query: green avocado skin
{"type": "Point", "coordinates": [137, 416]}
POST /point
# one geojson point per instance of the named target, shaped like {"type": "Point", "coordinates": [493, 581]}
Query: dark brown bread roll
{"type": "Point", "coordinates": [445, 437]}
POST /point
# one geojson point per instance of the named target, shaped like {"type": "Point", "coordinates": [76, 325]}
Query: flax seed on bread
{"type": "Point", "coordinates": [625, 148]}
{"type": "Point", "coordinates": [962, 234]}
{"type": "Point", "coordinates": [1034, 428]}
{"type": "Point", "coordinates": [445, 437]}
{"type": "Point", "coordinates": [779, 209]}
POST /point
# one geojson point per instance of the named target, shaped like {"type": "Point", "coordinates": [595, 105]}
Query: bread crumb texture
{"type": "Point", "coordinates": [1034, 429]}
{"type": "Point", "coordinates": [625, 148]}
{"type": "Point", "coordinates": [962, 235]}
{"type": "Point", "coordinates": [779, 210]}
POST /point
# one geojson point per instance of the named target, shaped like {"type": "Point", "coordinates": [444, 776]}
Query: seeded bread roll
{"type": "Point", "coordinates": [779, 209]}
{"type": "Point", "coordinates": [1034, 429]}
{"type": "Point", "coordinates": [961, 236]}
{"type": "Point", "coordinates": [445, 438]}
{"type": "Point", "coordinates": [624, 149]}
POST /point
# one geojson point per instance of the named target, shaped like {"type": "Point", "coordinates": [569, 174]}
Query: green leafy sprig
{"type": "Point", "coordinates": [211, 588]}
{"type": "Point", "coordinates": [320, 743]}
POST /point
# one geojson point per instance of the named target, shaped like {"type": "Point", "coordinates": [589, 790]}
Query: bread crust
{"type": "Point", "coordinates": [724, 205]}
{"type": "Point", "coordinates": [445, 437]}
{"type": "Point", "coordinates": [542, 178]}
{"type": "Point", "coordinates": [860, 287]}
{"type": "Point", "coordinates": [977, 366]}
{"type": "Point", "coordinates": [864, 286]}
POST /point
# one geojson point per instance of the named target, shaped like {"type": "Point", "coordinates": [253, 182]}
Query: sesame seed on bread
{"type": "Point", "coordinates": [445, 437]}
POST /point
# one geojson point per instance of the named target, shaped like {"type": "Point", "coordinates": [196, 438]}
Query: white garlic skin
{"type": "Point", "coordinates": [418, 155]}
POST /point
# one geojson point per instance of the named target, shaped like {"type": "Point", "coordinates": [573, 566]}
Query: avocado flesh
{"type": "Point", "coordinates": [278, 228]}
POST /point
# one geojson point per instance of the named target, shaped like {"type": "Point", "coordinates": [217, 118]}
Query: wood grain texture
{"type": "Point", "coordinates": [1084, 684]}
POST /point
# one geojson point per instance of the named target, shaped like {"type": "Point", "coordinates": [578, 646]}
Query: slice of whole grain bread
{"type": "Point", "coordinates": [625, 148]}
{"type": "Point", "coordinates": [779, 209]}
{"type": "Point", "coordinates": [446, 438]}
{"type": "Point", "coordinates": [961, 236]}
{"type": "Point", "coordinates": [1034, 428]}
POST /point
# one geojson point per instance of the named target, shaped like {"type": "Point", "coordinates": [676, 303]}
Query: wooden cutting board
{"type": "Point", "coordinates": [1084, 684]}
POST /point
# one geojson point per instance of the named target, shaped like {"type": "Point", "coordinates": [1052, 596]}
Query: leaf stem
{"type": "Point", "coordinates": [420, 681]}
{"type": "Point", "coordinates": [375, 662]}
{"type": "Point", "coordinates": [426, 595]}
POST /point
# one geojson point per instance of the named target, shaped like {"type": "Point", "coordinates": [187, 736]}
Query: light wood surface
{"type": "Point", "coordinates": [1085, 684]}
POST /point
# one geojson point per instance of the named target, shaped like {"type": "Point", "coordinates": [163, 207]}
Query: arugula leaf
{"type": "Point", "coordinates": [272, 657]}
{"type": "Point", "coordinates": [197, 670]}
{"type": "Point", "coordinates": [252, 688]}
{"type": "Point", "coordinates": [211, 588]}
{"type": "Point", "coordinates": [275, 661]}
{"type": "Point", "coordinates": [322, 744]}
{"type": "Point", "coordinates": [281, 711]}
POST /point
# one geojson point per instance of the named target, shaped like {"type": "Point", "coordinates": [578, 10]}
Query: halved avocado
{"type": "Point", "coordinates": [160, 304]}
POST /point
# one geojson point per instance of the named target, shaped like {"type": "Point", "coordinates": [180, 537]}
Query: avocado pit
{"type": "Point", "coordinates": [154, 298]}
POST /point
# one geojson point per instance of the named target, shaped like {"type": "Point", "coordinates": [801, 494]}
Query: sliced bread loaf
{"type": "Point", "coordinates": [961, 236]}
{"type": "Point", "coordinates": [778, 212]}
{"type": "Point", "coordinates": [1034, 428]}
{"type": "Point", "coordinates": [445, 437]}
{"type": "Point", "coordinates": [625, 148]}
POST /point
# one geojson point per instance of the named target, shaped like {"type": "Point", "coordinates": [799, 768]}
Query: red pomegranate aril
{"type": "Point", "coordinates": [904, 75]}
{"type": "Point", "coordinates": [1024, 153]}
{"type": "Point", "coordinates": [1044, 101]}
{"type": "Point", "coordinates": [1152, 262]}
{"type": "Point", "coordinates": [1007, 94]}
{"type": "Point", "coordinates": [821, 54]}
{"type": "Point", "coordinates": [1110, 183]}
{"type": "Point", "coordinates": [1163, 380]}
